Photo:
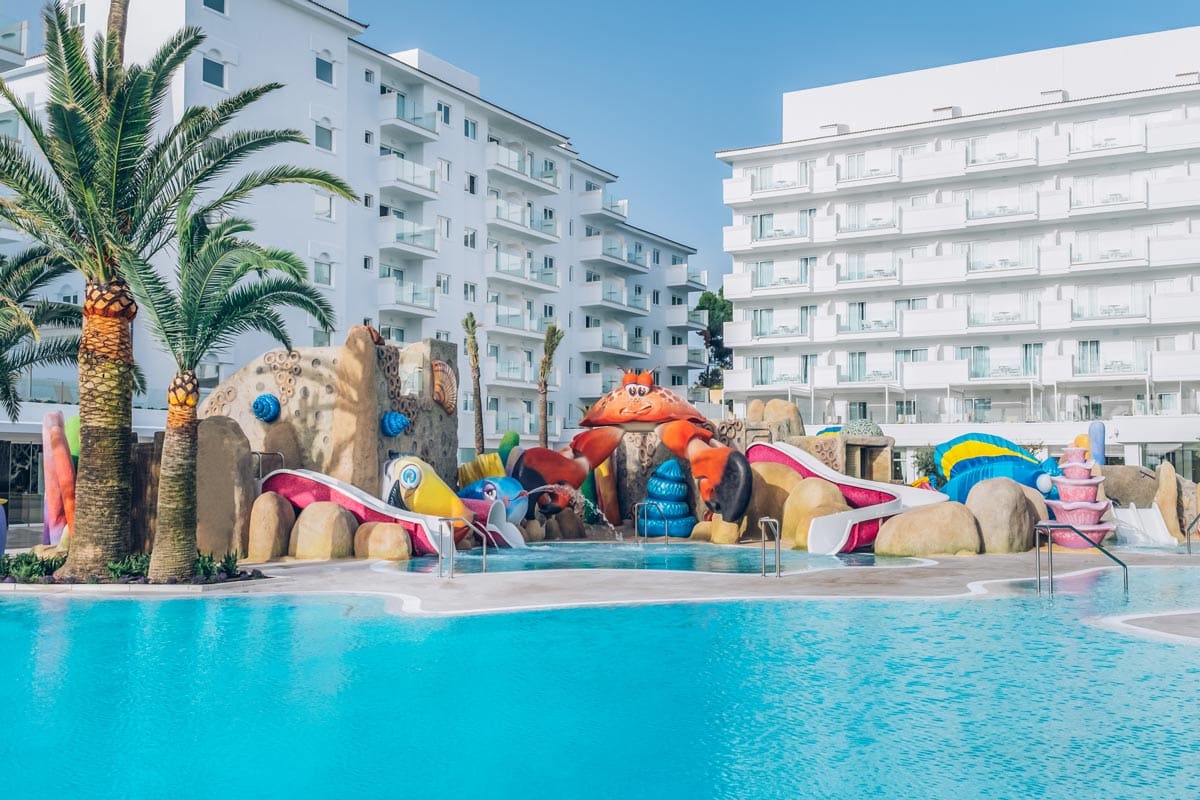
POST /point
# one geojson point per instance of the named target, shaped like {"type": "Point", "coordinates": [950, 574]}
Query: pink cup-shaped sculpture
{"type": "Point", "coordinates": [1072, 454]}
{"type": "Point", "coordinates": [1078, 513]}
{"type": "Point", "coordinates": [1083, 490]}
{"type": "Point", "coordinates": [1077, 469]}
{"type": "Point", "coordinates": [1095, 534]}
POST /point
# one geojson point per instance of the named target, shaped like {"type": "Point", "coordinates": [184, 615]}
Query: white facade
{"type": "Point", "coordinates": [981, 246]}
{"type": "Point", "coordinates": [463, 207]}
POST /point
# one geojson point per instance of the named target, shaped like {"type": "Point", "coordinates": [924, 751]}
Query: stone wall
{"type": "Point", "coordinates": [332, 399]}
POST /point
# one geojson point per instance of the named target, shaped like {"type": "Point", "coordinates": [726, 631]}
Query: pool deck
{"type": "Point", "coordinates": [425, 594]}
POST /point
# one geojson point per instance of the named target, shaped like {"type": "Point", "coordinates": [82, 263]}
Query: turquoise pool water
{"type": "Point", "coordinates": [685, 556]}
{"type": "Point", "coordinates": [1007, 698]}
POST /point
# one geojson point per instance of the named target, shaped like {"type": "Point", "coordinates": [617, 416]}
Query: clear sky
{"type": "Point", "coordinates": [650, 89]}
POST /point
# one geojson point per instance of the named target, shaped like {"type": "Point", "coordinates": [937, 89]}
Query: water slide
{"type": "Point", "coordinates": [1142, 527]}
{"type": "Point", "coordinates": [301, 487]}
{"type": "Point", "coordinates": [871, 502]}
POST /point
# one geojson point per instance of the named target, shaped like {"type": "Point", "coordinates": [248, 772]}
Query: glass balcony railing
{"type": "Point", "coordinates": [637, 344]}
{"type": "Point", "coordinates": [977, 211]}
{"type": "Point", "coordinates": [863, 225]}
{"type": "Point", "coordinates": [772, 279]}
{"type": "Point", "coordinates": [13, 38]}
{"type": "Point", "coordinates": [410, 172]}
{"type": "Point", "coordinates": [1012, 369]}
{"type": "Point", "coordinates": [778, 379]}
{"type": "Point", "coordinates": [409, 294]}
{"type": "Point", "coordinates": [408, 112]}
{"type": "Point", "coordinates": [1122, 309]}
{"type": "Point", "coordinates": [410, 233]}
{"type": "Point", "coordinates": [1090, 199]}
{"type": "Point", "coordinates": [995, 265]}
{"type": "Point", "coordinates": [699, 317]}
{"type": "Point", "coordinates": [865, 272]}
{"type": "Point", "coordinates": [636, 258]}
{"type": "Point", "coordinates": [866, 376]}
{"type": "Point", "coordinates": [865, 325]}
{"type": "Point", "coordinates": [976, 316]}
{"type": "Point", "coordinates": [636, 301]}
{"type": "Point", "coordinates": [1106, 366]}
{"type": "Point", "coordinates": [620, 207]}
{"type": "Point", "coordinates": [613, 339]}
{"type": "Point", "coordinates": [766, 234]}
{"type": "Point", "coordinates": [780, 328]}
{"type": "Point", "coordinates": [1092, 255]}
{"type": "Point", "coordinates": [507, 158]}
{"type": "Point", "coordinates": [695, 355]}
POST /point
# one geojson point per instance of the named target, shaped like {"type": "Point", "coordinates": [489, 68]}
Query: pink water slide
{"type": "Point", "coordinates": [871, 502]}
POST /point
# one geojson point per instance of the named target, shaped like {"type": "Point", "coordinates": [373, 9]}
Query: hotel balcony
{"type": "Point", "coordinates": [1173, 251]}
{"type": "Point", "coordinates": [14, 40]}
{"type": "Point", "coordinates": [679, 316]}
{"type": "Point", "coordinates": [1119, 367]}
{"type": "Point", "coordinates": [1003, 319]}
{"type": "Point", "coordinates": [787, 180]}
{"type": "Point", "coordinates": [880, 173]}
{"type": "Point", "coordinates": [597, 204]}
{"type": "Point", "coordinates": [1110, 312]}
{"type": "Point", "coordinates": [1000, 214]}
{"type": "Point", "coordinates": [680, 355]}
{"type": "Point", "coordinates": [872, 377]}
{"type": "Point", "coordinates": [1110, 204]}
{"type": "Point", "coordinates": [869, 273]}
{"type": "Point", "coordinates": [1181, 308]}
{"type": "Point", "coordinates": [852, 328]}
{"type": "Point", "coordinates": [613, 296]}
{"type": "Point", "coordinates": [681, 276]}
{"type": "Point", "coordinates": [1183, 134]}
{"type": "Point", "coordinates": [407, 299]}
{"type": "Point", "coordinates": [1181, 365]}
{"type": "Point", "coordinates": [749, 381]}
{"type": "Point", "coordinates": [407, 179]}
{"type": "Point", "coordinates": [1104, 144]}
{"type": "Point", "coordinates": [961, 374]}
{"type": "Point", "coordinates": [515, 218]}
{"type": "Point", "coordinates": [408, 239]}
{"type": "Point", "coordinates": [785, 331]}
{"type": "Point", "coordinates": [932, 270]}
{"type": "Point", "coordinates": [404, 121]}
{"type": "Point", "coordinates": [613, 341]}
{"type": "Point", "coordinates": [597, 384]}
{"type": "Point", "coordinates": [741, 238]}
{"type": "Point", "coordinates": [516, 322]}
{"type": "Point", "coordinates": [526, 273]}
{"type": "Point", "coordinates": [498, 423]}
{"type": "Point", "coordinates": [779, 283]}
{"type": "Point", "coordinates": [874, 227]}
{"type": "Point", "coordinates": [515, 374]}
{"type": "Point", "coordinates": [514, 165]}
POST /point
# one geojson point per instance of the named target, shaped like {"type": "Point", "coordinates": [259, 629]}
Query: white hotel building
{"type": "Point", "coordinates": [463, 206]}
{"type": "Point", "coordinates": [1009, 245]}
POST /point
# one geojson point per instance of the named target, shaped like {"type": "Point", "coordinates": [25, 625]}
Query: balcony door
{"type": "Point", "coordinates": [1087, 357]}
{"type": "Point", "coordinates": [1031, 358]}
{"type": "Point", "coordinates": [857, 370]}
{"type": "Point", "coordinates": [979, 361]}
{"type": "Point", "coordinates": [762, 369]}
{"type": "Point", "coordinates": [763, 321]}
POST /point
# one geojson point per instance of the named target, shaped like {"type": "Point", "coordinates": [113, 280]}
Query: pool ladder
{"type": "Point", "coordinates": [1047, 528]}
{"type": "Point", "coordinates": [771, 524]}
{"type": "Point", "coordinates": [448, 534]}
{"type": "Point", "coordinates": [1187, 532]}
{"type": "Point", "coordinates": [641, 511]}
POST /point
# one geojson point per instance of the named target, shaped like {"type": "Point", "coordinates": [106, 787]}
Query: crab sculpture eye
{"type": "Point", "coordinates": [410, 477]}
{"type": "Point", "coordinates": [489, 491]}
{"type": "Point", "coordinates": [637, 390]}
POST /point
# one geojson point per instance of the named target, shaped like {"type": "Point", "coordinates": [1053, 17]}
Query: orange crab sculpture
{"type": "Point", "coordinates": [722, 473]}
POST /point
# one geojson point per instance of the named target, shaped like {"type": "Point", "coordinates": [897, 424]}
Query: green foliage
{"type": "Point", "coordinates": [229, 564]}
{"type": "Point", "coordinates": [134, 565]}
{"type": "Point", "coordinates": [925, 465]}
{"type": "Point", "coordinates": [26, 567]}
{"type": "Point", "coordinates": [862, 427]}
{"type": "Point", "coordinates": [206, 565]}
{"type": "Point", "coordinates": [720, 357]}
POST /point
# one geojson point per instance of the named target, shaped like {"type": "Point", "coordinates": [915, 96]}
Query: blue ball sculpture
{"type": "Point", "coordinates": [266, 407]}
{"type": "Point", "coordinates": [393, 423]}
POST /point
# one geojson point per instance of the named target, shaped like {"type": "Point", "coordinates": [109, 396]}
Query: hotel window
{"type": "Point", "coordinates": [655, 256]}
{"type": "Point", "coordinates": [470, 292]}
{"type": "Point", "coordinates": [368, 137]}
{"type": "Point", "coordinates": [76, 15]}
{"type": "Point", "coordinates": [592, 186]}
{"type": "Point", "coordinates": [212, 71]}
{"type": "Point", "coordinates": [444, 169]}
{"type": "Point", "coordinates": [215, 5]}
{"type": "Point", "coordinates": [654, 338]}
{"type": "Point", "coordinates": [676, 339]}
{"type": "Point", "coordinates": [368, 76]}
{"type": "Point", "coordinates": [443, 227]}
{"type": "Point", "coordinates": [443, 283]}
{"type": "Point", "coordinates": [677, 380]}
{"type": "Point", "coordinates": [323, 270]}
{"type": "Point", "coordinates": [469, 235]}
{"type": "Point", "coordinates": [323, 69]}
{"type": "Point", "coordinates": [655, 297]}
{"type": "Point", "coordinates": [442, 336]}
{"type": "Point", "coordinates": [856, 164]}
{"type": "Point", "coordinates": [676, 260]}
{"type": "Point", "coordinates": [591, 367]}
{"type": "Point", "coordinates": [591, 322]}
{"type": "Point", "coordinates": [547, 311]}
{"type": "Point", "coordinates": [368, 263]}
{"type": "Point", "coordinates": [369, 200]}
{"type": "Point", "coordinates": [443, 110]}
{"type": "Point", "coordinates": [323, 136]}
{"type": "Point", "coordinates": [470, 128]}
{"type": "Point", "coordinates": [320, 338]}
{"type": "Point", "coordinates": [323, 205]}
{"type": "Point", "coordinates": [471, 183]}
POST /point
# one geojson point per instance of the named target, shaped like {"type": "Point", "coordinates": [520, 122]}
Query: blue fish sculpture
{"type": "Point", "coordinates": [508, 491]}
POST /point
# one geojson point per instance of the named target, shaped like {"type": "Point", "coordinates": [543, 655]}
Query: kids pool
{"type": "Point", "coordinates": [270, 697]}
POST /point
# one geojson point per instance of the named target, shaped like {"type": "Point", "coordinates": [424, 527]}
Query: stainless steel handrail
{"type": "Point", "coordinates": [1048, 527]}
{"type": "Point", "coordinates": [763, 524]}
{"type": "Point", "coordinates": [257, 456]}
{"type": "Point", "coordinates": [638, 510]}
{"type": "Point", "coordinates": [1187, 532]}
{"type": "Point", "coordinates": [448, 522]}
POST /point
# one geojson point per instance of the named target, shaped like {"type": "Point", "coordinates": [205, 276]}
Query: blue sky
{"type": "Point", "coordinates": [649, 89]}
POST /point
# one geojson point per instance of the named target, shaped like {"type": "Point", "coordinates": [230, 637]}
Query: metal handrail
{"type": "Point", "coordinates": [1187, 532]}
{"type": "Point", "coordinates": [637, 510]}
{"type": "Point", "coordinates": [257, 455]}
{"type": "Point", "coordinates": [1063, 526]}
{"type": "Point", "coordinates": [447, 521]}
{"type": "Point", "coordinates": [763, 524]}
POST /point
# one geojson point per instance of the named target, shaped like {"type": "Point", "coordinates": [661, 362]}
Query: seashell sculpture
{"type": "Point", "coordinates": [445, 386]}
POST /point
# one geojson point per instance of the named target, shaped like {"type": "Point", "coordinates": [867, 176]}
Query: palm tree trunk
{"type": "Point", "coordinates": [118, 23]}
{"type": "Point", "coordinates": [104, 486]}
{"type": "Point", "coordinates": [174, 553]}
{"type": "Point", "coordinates": [543, 395]}
{"type": "Point", "coordinates": [477, 395]}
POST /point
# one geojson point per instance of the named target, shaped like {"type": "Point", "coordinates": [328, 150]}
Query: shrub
{"type": "Point", "coordinates": [206, 566]}
{"type": "Point", "coordinates": [131, 566]}
{"type": "Point", "coordinates": [229, 564]}
{"type": "Point", "coordinates": [26, 567]}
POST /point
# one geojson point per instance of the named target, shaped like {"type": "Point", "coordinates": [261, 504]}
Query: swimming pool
{"type": "Point", "coordinates": [267, 697]}
{"type": "Point", "coordinates": [684, 556]}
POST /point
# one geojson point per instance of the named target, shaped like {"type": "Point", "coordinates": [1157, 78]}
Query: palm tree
{"type": "Point", "coordinates": [223, 287]}
{"type": "Point", "coordinates": [23, 315]}
{"type": "Point", "coordinates": [472, 328]}
{"type": "Point", "coordinates": [554, 337]}
{"type": "Point", "coordinates": [100, 190]}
